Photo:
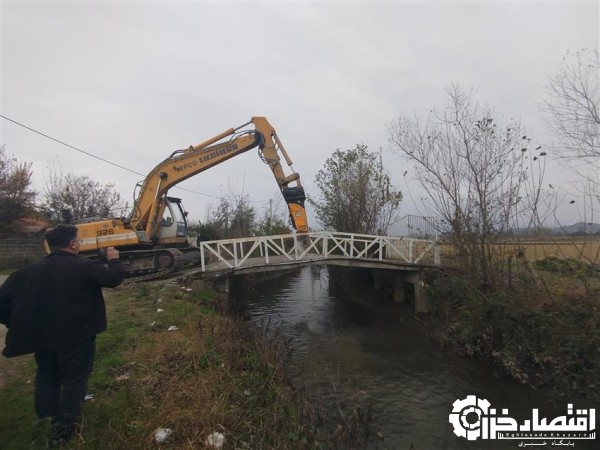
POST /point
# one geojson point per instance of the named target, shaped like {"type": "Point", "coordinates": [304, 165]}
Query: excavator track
{"type": "Point", "coordinates": [172, 258]}
{"type": "Point", "coordinates": [152, 276]}
{"type": "Point", "coordinates": [186, 271]}
{"type": "Point", "coordinates": [180, 272]}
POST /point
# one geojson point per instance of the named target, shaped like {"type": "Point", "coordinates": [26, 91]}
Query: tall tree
{"type": "Point", "coordinates": [272, 222]}
{"type": "Point", "coordinates": [572, 105]}
{"type": "Point", "coordinates": [243, 218]}
{"type": "Point", "coordinates": [17, 198]}
{"type": "Point", "coordinates": [234, 217]}
{"type": "Point", "coordinates": [83, 196]}
{"type": "Point", "coordinates": [474, 170]}
{"type": "Point", "coordinates": [356, 194]}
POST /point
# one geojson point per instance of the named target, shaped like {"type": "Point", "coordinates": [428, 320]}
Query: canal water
{"type": "Point", "coordinates": [376, 354]}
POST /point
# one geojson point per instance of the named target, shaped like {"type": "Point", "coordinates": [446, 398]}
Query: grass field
{"type": "Point", "coordinates": [579, 248]}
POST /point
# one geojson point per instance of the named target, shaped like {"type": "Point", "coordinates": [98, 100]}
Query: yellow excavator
{"type": "Point", "coordinates": [153, 239]}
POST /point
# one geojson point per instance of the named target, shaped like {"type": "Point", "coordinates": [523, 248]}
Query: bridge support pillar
{"type": "Point", "coordinates": [413, 279]}
{"type": "Point", "coordinates": [422, 303]}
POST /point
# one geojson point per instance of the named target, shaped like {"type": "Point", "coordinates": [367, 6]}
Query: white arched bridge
{"type": "Point", "coordinates": [264, 253]}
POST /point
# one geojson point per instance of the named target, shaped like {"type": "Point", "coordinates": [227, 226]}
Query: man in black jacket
{"type": "Point", "coordinates": [54, 309]}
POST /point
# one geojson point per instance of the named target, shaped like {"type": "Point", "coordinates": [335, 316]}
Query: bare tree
{"type": "Point", "coordinates": [572, 106]}
{"type": "Point", "coordinates": [83, 196]}
{"type": "Point", "coordinates": [356, 195]}
{"type": "Point", "coordinates": [17, 198]}
{"type": "Point", "coordinates": [474, 171]}
{"type": "Point", "coordinates": [572, 112]}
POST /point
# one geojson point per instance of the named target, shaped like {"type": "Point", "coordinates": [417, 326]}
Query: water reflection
{"type": "Point", "coordinates": [381, 357]}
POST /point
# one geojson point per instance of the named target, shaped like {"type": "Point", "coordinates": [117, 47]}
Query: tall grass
{"type": "Point", "coordinates": [544, 332]}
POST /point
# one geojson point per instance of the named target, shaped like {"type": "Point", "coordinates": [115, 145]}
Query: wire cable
{"type": "Point", "coordinates": [71, 146]}
{"type": "Point", "coordinates": [105, 160]}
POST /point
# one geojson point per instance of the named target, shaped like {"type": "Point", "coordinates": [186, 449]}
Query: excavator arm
{"type": "Point", "coordinates": [183, 164]}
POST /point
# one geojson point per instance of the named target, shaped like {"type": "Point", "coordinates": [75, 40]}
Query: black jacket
{"type": "Point", "coordinates": [56, 302]}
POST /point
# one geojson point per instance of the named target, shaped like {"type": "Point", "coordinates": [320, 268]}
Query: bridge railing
{"type": "Point", "coordinates": [365, 246]}
{"type": "Point", "coordinates": [234, 253]}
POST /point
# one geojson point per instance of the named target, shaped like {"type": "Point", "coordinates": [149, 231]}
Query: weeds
{"type": "Point", "coordinates": [549, 341]}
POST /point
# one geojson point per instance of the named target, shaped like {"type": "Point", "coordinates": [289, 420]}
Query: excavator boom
{"type": "Point", "coordinates": [183, 164]}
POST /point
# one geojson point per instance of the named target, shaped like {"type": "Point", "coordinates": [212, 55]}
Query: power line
{"type": "Point", "coordinates": [71, 146]}
{"type": "Point", "coordinates": [105, 160]}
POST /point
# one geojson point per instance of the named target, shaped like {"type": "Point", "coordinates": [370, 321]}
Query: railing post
{"type": "Point", "coordinates": [296, 244]}
{"type": "Point", "coordinates": [266, 251]}
{"type": "Point", "coordinates": [410, 251]}
{"type": "Point", "coordinates": [202, 261]}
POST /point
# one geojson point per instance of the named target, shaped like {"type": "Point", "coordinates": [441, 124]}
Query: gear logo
{"type": "Point", "coordinates": [458, 417]}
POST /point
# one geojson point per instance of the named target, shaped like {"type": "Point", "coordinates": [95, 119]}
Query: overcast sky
{"type": "Point", "coordinates": [131, 82]}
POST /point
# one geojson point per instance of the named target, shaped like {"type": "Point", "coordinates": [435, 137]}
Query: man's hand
{"type": "Point", "coordinates": [112, 253]}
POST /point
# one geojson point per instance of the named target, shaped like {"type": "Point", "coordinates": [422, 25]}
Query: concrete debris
{"type": "Point", "coordinates": [162, 434]}
{"type": "Point", "coordinates": [215, 440]}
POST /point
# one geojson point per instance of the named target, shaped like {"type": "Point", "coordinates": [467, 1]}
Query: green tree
{"type": "Point", "coordinates": [271, 223]}
{"type": "Point", "coordinates": [243, 218]}
{"type": "Point", "coordinates": [356, 194]}
{"type": "Point", "coordinates": [83, 196]}
{"type": "Point", "coordinates": [203, 231]}
{"type": "Point", "coordinates": [233, 217]}
{"type": "Point", "coordinates": [17, 198]}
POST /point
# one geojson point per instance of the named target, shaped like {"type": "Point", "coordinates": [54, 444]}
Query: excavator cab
{"type": "Point", "coordinates": [174, 220]}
